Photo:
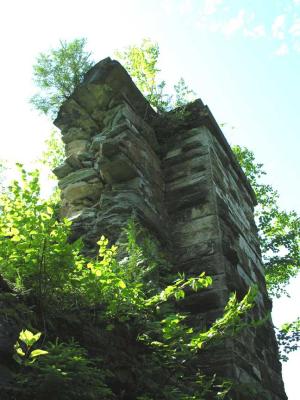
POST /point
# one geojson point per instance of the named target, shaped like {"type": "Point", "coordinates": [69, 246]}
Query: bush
{"type": "Point", "coordinates": [65, 373]}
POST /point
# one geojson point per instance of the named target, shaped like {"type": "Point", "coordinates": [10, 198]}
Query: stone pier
{"type": "Point", "coordinates": [177, 174]}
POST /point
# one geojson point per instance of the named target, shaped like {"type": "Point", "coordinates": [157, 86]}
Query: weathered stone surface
{"type": "Point", "coordinates": [62, 170]}
{"type": "Point", "coordinates": [179, 177]}
{"type": "Point", "coordinates": [74, 162]}
{"type": "Point", "coordinates": [117, 169]}
{"type": "Point", "coordinates": [84, 174]}
{"type": "Point", "coordinates": [85, 156]}
{"type": "Point", "coordinates": [76, 147]}
{"type": "Point", "coordinates": [75, 134]}
{"type": "Point", "coordinates": [72, 110]}
{"type": "Point", "coordinates": [82, 190]}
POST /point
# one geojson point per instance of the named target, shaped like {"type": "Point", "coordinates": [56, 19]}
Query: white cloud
{"type": "Point", "coordinates": [257, 32]}
{"type": "Point", "coordinates": [234, 24]}
{"type": "Point", "coordinates": [277, 27]}
{"type": "Point", "coordinates": [295, 28]}
{"type": "Point", "coordinates": [282, 50]}
{"type": "Point", "coordinates": [210, 6]}
{"type": "Point", "coordinates": [296, 1]}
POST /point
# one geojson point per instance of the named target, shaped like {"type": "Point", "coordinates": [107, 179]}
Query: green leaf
{"type": "Point", "coordinates": [16, 238]}
{"type": "Point", "coordinates": [122, 284]}
{"type": "Point", "coordinates": [28, 337]}
{"type": "Point", "coordinates": [37, 353]}
{"type": "Point", "coordinates": [20, 352]}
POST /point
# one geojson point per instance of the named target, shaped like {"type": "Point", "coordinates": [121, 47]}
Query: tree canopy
{"type": "Point", "coordinates": [141, 62]}
{"type": "Point", "coordinates": [279, 230]}
{"type": "Point", "coordinates": [57, 73]}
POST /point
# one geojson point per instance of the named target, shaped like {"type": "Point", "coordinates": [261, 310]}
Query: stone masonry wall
{"type": "Point", "coordinates": [178, 176]}
{"type": "Point", "coordinates": [210, 208]}
{"type": "Point", "coordinates": [112, 169]}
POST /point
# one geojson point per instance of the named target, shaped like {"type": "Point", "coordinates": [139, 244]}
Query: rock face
{"type": "Point", "coordinates": [177, 174]}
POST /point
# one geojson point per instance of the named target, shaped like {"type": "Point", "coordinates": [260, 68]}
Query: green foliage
{"type": "Point", "coordinates": [54, 154]}
{"type": "Point", "coordinates": [57, 73]}
{"type": "Point", "coordinates": [64, 372]}
{"type": "Point", "coordinates": [279, 230]}
{"type": "Point", "coordinates": [204, 388]}
{"type": "Point", "coordinates": [25, 354]}
{"type": "Point", "coordinates": [177, 289]}
{"type": "Point", "coordinates": [183, 93]}
{"type": "Point", "coordinates": [279, 234]}
{"type": "Point", "coordinates": [144, 262]}
{"type": "Point", "coordinates": [229, 324]}
{"type": "Point", "coordinates": [141, 62]}
{"type": "Point", "coordinates": [106, 280]}
{"type": "Point", "coordinates": [111, 295]}
{"type": "Point", "coordinates": [288, 337]}
{"type": "Point", "coordinates": [35, 256]}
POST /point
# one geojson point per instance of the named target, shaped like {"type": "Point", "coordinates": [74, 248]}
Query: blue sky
{"type": "Point", "coordinates": [241, 57]}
